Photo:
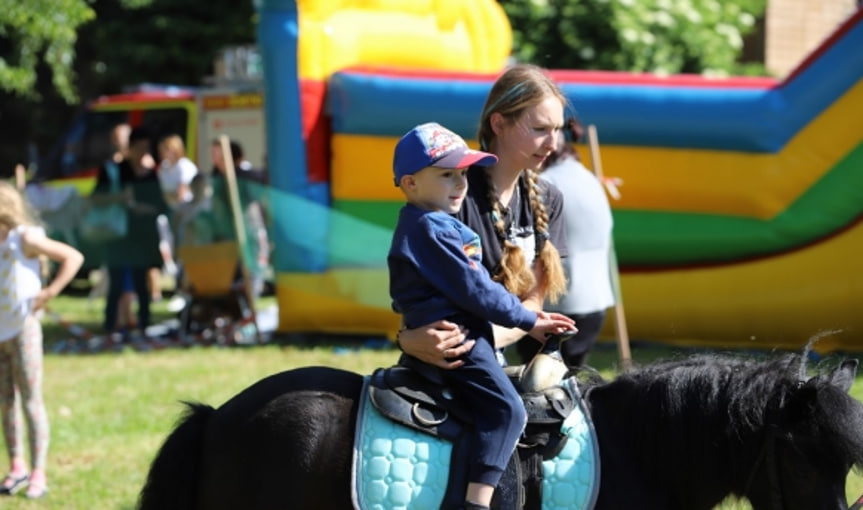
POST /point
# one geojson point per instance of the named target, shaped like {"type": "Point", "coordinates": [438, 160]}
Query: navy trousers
{"type": "Point", "coordinates": [499, 412]}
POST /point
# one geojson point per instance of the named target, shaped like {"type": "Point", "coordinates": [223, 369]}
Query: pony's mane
{"type": "Point", "coordinates": [736, 387]}
{"type": "Point", "coordinates": [732, 397]}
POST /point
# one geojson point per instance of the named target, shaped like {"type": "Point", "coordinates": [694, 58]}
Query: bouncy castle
{"type": "Point", "coordinates": [741, 214]}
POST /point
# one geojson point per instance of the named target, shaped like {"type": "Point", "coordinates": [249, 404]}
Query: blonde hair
{"type": "Point", "coordinates": [174, 143]}
{"type": "Point", "coordinates": [521, 87]}
{"type": "Point", "coordinates": [14, 208]}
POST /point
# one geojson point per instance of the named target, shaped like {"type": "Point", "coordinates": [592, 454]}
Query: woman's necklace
{"type": "Point", "coordinates": [514, 207]}
{"type": "Point", "coordinates": [510, 213]}
{"type": "Point", "coordinates": [507, 205]}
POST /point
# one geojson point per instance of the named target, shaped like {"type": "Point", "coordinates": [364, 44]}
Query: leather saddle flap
{"type": "Point", "coordinates": [406, 397]}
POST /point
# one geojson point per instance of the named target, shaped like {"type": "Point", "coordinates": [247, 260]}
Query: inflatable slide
{"type": "Point", "coordinates": [740, 220]}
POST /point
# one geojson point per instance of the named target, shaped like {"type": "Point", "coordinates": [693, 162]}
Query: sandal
{"type": "Point", "coordinates": [36, 491]}
{"type": "Point", "coordinates": [11, 484]}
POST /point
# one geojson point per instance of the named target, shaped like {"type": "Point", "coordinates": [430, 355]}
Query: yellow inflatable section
{"type": "Point", "coordinates": [776, 302]}
{"type": "Point", "coordinates": [452, 35]}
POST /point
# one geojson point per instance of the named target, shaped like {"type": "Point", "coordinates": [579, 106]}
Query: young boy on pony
{"type": "Point", "coordinates": [436, 273]}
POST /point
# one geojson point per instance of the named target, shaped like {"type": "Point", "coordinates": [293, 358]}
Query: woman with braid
{"type": "Point", "coordinates": [517, 216]}
{"type": "Point", "coordinates": [589, 224]}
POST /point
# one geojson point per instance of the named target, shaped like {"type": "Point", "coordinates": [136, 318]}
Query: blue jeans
{"type": "Point", "coordinates": [118, 278]}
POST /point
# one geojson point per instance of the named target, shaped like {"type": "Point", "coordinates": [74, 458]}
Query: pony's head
{"type": "Point", "coordinates": [697, 429]}
{"type": "Point", "coordinates": [812, 437]}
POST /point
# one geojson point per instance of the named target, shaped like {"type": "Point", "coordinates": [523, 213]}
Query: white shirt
{"type": "Point", "coordinates": [19, 282]}
{"type": "Point", "coordinates": [589, 223]}
{"type": "Point", "coordinates": [172, 175]}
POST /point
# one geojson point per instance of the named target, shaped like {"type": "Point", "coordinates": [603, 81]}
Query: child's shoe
{"type": "Point", "coordinates": [13, 484]}
{"type": "Point", "coordinates": [36, 490]}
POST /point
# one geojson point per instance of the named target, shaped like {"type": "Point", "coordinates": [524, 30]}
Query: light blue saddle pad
{"type": "Point", "coordinates": [399, 468]}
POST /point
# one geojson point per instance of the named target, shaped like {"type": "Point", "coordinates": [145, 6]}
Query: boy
{"type": "Point", "coordinates": [436, 273]}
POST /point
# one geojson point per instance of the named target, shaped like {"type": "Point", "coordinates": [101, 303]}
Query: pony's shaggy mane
{"type": "Point", "coordinates": [730, 400]}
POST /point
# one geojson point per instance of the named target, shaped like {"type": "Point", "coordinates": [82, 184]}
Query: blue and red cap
{"type": "Point", "coordinates": [431, 144]}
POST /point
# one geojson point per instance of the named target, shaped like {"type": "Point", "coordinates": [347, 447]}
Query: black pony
{"type": "Point", "coordinates": [680, 434]}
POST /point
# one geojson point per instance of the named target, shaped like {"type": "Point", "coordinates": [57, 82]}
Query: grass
{"type": "Point", "coordinates": [110, 412]}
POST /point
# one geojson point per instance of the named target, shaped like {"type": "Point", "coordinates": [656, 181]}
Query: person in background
{"type": "Point", "coordinates": [133, 255]}
{"type": "Point", "coordinates": [252, 188]}
{"type": "Point", "coordinates": [125, 319]}
{"type": "Point", "coordinates": [589, 225]}
{"type": "Point", "coordinates": [518, 217]}
{"type": "Point", "coordinates": [22, 297]}
{"type": "Point", "coordinates": [436, 272]}
{"type": "Point", "coordinates": [120, 141]}
{"type": "Point", "coordinates": [192, 220]}
{"type": "Point", "coordinates": [176, 171]}
{"type": "Point", "coordinates": [242, 166]}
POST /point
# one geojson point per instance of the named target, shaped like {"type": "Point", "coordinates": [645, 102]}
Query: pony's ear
{"type": "Point", "coordinates": [803, 402]}
{"type": "Point", "coordinates": [843, 376]}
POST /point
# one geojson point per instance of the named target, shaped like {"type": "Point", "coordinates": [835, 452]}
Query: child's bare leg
{"type": "Point", "coordinates": [479, 493]}
{"type": "Point", "coordinates": [154, 283]}
{"type": "Point", "coordinates": [125, 318]}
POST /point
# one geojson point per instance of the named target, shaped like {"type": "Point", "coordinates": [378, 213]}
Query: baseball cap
{"type": "Point", "coordinates": [431, 144]}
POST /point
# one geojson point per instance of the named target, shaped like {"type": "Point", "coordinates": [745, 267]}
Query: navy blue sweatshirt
{"type": "Point", "coordinates": [436, 272]}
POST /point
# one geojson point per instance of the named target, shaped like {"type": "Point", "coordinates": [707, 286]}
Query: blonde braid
{"type": "Point", "coordinates": [552, 277]}
{"type": "Point", "coordinates": [514, 272]}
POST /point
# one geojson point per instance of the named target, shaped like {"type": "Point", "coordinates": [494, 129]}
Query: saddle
{"type": "Point", "coordinates": [415, 395]}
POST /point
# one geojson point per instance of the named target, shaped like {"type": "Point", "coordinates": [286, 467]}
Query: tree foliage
{"type": "Point", "coordinates": [163, 41]}
{"type": "Point", "coordinates": [659, 36]}
{"type": "Point", "coordinates": [117, 42]}
{"type": "Point", "coordinates": [54, 52]}
{"type": "Point", "coordinates": [40, 29]}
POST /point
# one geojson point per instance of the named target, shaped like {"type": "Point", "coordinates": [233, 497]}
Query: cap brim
{"type": "Point", "coordinates": [465, 158]}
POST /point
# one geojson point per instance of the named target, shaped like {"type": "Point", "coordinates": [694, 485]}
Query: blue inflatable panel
{"type": "Point", "coordinates": [707, 116]}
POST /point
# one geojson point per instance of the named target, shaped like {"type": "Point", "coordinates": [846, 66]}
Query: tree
{"type": "Point", "coordinates": [658, 36]}
{"type": "Point", "coordinates": [87, 48]}
{"type": "Point", "coordinates": [164, 41]}
{"type": "Point", "coordinates": [37, 29]}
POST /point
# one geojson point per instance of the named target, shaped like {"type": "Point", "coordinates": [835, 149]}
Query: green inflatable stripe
{"type": "Point", "coordinates": [651, 239]}
{"type": "Point", "coordinates": [662, 240]}
{"type": "Point", "coordinates": [378, 213]}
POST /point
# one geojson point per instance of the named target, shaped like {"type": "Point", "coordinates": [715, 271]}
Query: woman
{"type": "Point", "coordinates": [589, 226]}
{"type": "Point", "coordinates": [517, 216]}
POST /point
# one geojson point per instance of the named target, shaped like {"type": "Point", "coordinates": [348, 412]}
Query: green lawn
{"type": "Point", "coordinates": [111, 411]}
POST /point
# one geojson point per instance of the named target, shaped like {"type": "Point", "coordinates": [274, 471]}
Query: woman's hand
{"type": "Point", "coordinates": [440, 343]}
{"type": "Point", "coordinates": [550, 323]}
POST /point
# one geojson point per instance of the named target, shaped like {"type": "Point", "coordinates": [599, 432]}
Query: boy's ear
{"type": "Point", "coordinates": [407, 182]}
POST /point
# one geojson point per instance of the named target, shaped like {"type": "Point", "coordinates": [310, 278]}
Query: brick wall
{"type": "Point", "coordinates": [796, 27]}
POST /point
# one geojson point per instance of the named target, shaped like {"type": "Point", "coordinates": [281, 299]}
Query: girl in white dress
{"type": "Point", "coordinates": [22, 297]}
